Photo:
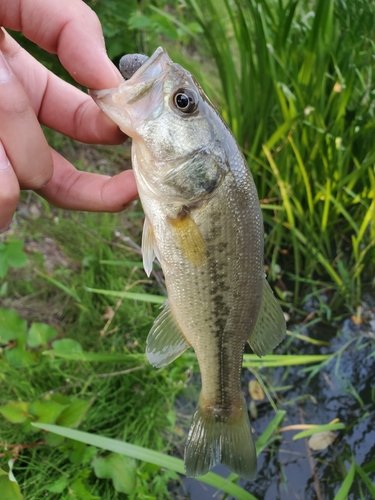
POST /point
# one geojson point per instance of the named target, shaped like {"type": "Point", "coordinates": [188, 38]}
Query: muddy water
{"type": "Point", "coordinates": [345, 389]}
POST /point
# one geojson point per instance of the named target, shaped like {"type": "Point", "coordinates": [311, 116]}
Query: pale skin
{"type": "Point", "coordinates": [31, 95]}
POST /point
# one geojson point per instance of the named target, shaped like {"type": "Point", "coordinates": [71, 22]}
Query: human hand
{"type": "Point", "coordinates": [30, 94]}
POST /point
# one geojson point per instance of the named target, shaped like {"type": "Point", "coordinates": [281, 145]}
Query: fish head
{"type": "Point", "coordinates": [171, 121]}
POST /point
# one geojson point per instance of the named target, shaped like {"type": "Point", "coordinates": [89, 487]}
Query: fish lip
{"type": "Point", "coordinates": [99, 94]}
{"type": "Point", "coordinates": [150, 61]}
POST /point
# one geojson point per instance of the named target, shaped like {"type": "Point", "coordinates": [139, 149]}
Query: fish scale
{"type": "Point", "coordinates": [203, 222]}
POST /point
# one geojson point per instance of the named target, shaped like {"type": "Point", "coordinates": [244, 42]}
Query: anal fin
{"type": "Point", "coordinates": [165, 342]}
{"type": "Point", "coordinates": [270, 327]}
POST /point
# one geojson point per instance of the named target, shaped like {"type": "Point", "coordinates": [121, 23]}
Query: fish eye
{"type": "Point", "coordinates": [185, 100]}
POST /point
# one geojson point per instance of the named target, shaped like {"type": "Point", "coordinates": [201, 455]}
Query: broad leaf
{"type": "Point", "coordinates": [67, 346]}
{"type": "Point", "coordinates": [119, 468]}
{"type": "Point", "coordinates": [15, 411]}
{"type": "Point", "coordinates": [47, 411]}
{"type": "Point", "coordinates": [73, 415]}
{"type": "Point", "coordinates": [9, 489]}
{"type": "Point", "coordinates": [58, 486]}
{"type": "Point", "coordinates": [15, 254]}
{"type": "Point", "coordinates": [12, 327]}
{"type": "Point", "coordinates": [19, 357]}
{"type": "Point", "coordinates": [40, 334]}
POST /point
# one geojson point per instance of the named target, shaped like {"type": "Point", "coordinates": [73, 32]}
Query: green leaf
{"type": "Point", "coordinates": [47, 411]}
{"type": "Point", "coordinates": [9, 489]}
{"type": "Point", "coordinates": [16, 255]}
{"type": "Point", "coordinates": [89, 454]}
{"type": "Point", "coordinates": [60, 398]}
{"type": "Point", "coordinates": [139, 21]}
{"type": "Point", "coordinates": [19, 357]}
{"type": "Point", "coordinates": [77, 451]}
{"type": "Point", "coordinates": [3, 263]}
{"type": "Point", "coordinates": [54, 440]}
{"type": "Point", "coordinates": [148, 456]}
{"type": "Point", "coordinates": [11, 325]}
{"type": "Point", "coordinates": [40, 334]}
{"type": "Point", "coordinates": [58, 486]}
{"type": "Point", "coordinates": [79, 489]}
{"type": "Point", "coordinates": [67, 346]}
{"type": "Point", "coordinates": [3, 289]}
{"type": "Point", "coordinates": [15, 411]}
{"type": "Point", "coordinates": [119, 468]}
{"type": "Point", "coordinates": [73, 415]}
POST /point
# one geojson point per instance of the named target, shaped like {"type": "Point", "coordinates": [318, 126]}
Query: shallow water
{"type": "Point", "coordinates": [344, 389]}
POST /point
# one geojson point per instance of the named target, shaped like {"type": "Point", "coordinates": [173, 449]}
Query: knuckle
{"type": "Point", "coordinates": [91, 16]}
{"type": "Point", "coordinates": [38, 178]}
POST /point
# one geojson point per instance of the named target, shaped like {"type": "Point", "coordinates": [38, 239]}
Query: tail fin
{"type": "Point", "coordinates": [213, 441]}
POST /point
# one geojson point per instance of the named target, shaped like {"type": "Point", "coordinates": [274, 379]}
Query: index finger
{"type": "Point", "coordinates": [70, 29]}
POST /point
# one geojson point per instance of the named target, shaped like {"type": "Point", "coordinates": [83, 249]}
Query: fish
{"type": "Point", "coordinates": [204, 224]}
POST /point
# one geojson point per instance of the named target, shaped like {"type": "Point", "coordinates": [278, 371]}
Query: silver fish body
{"type": "Point", "coordinates": [204, 224]}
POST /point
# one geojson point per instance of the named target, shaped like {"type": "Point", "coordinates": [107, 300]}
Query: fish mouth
{"type": "Point", "coordinates": [153, 66]}
{"type": "Point", "coordinates": [132, 98]}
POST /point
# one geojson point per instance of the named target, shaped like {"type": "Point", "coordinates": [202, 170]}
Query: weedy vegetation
{"type": "Point", "coordinates": [82, 414]}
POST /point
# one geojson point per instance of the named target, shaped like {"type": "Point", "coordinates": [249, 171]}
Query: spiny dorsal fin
{"type": "Point", "coordinates": [270, 327]}
{"type": "Point", "coordinates": [165, 342]}
{"type": "Point", "coordinates": [188, 237]}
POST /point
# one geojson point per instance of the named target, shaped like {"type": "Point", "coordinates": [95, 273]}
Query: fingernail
{"type": "Point", "coordinates": [4, 160]}
{"type": "Point", "coordinates": [5, 74]}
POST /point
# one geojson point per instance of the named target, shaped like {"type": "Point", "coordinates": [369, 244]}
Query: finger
{"type": "Point", "coordinates": [58, 104]}
{"type": "Point", "coordinates": [75, 190]}
{"type": "Point", "coordinates": [70, 29]}
{"type": "Point", "coordinates": [9, 190]}
{"type": "Point", "coordinates": [20, 133]}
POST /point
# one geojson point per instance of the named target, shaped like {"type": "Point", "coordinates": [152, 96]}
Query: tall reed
{"type": "Point", "coordinates": [297, 90]}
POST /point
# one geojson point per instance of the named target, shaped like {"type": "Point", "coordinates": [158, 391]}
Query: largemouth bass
{"type": "Point", "coordinates": [204, 224]}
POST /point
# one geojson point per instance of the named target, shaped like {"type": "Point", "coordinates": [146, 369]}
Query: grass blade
{"type": "Point", "coordinates": [143, 297]}
{"type": "Point", "coordinates": [95, 357]}
{"type": "Point", "coordinates": [271, 429]}
{"type": "Point", "coordinates": [276, 360]}
{"type": "Point", "coordinates": [58, 284]}
{"type": "Point", "coordinates": [319, 428]}
{"type": "Point", "coordinates": [342, 494]}
{"type": "Point", "coordinates": [369, 484]}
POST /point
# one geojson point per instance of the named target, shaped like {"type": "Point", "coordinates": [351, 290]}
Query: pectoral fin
{"type": "Point", "coordinates": [270, 327]}
{"type": "Point", "coordinates": [189, 238]}
{"type": "Point", "coordinates": [165, 342]}
{"type": "Point", "coordinates": [149, 248]}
